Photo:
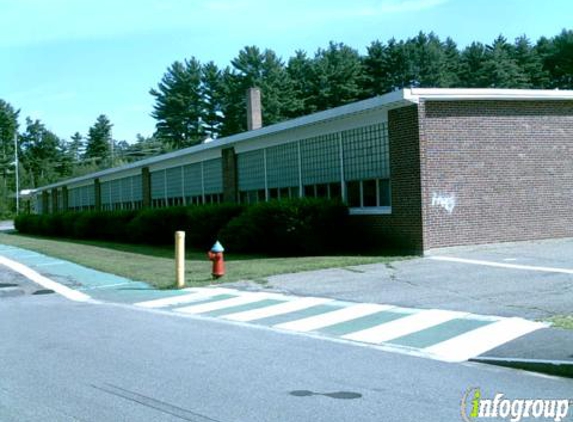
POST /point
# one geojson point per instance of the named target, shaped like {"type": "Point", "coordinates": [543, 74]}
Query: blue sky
{"type": "Point", "coordinates": [67, 61]}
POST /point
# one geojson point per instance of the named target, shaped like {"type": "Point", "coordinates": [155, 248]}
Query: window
{"type": "Point", "coordinates": [368, 193]}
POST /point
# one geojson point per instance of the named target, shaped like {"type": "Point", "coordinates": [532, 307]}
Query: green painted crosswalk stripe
{"type": "Point", "coordinates": [362, 323]}
{"type": "Point", "coordinates": [303, 313]}
{"type": "Point", "coordinates": [246, 307]}
{"type": "Point", "coordinates": [439, 333]}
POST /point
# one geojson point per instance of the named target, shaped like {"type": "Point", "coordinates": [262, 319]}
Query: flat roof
{"type": "Point", "coordinates": [396, 99]}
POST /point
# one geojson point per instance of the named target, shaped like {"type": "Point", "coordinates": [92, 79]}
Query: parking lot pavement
{"type": "Point", "coordinates": [534, 281]}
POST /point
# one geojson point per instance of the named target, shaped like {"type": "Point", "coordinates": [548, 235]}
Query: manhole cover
{"type": "Point", "coordinates": [7, 285]}
{"type": "Point", "coordinates": [43, 292]}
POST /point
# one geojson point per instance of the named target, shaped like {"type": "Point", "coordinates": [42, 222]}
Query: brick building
{"type": "Point", "coordinates": [425, 168]}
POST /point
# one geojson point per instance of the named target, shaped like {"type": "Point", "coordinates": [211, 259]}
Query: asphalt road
{"type": "Point", "coordinates": [67, 361]}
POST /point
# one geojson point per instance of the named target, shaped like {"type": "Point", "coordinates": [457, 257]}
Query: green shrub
{"type": "Point", "coordinates": [200, 223]}
{"type": "Point", "coordinates": [289, 227]}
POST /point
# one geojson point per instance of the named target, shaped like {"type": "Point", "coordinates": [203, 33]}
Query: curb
{"type": "Point", "coordinates": [560, 368]}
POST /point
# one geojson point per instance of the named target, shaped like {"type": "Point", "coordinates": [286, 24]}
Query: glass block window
{"type": "Point", "coordinates": [158, 184]}
{"type": "Point", "coordinates": [105, 193]}
{"type": "Point", "coordinates": [89, 196]}
{"type": "Point", "coordinates": [213, 176]}
{"type": "Point", "coordinates": [72, 198]}
{"type": "Point", "coordinates": [366, 153]}
{"type": "Point", "coordinates": [192, 180]}
{"type": "Point", "coordinates": [320, 158]}
{"type": "Point", "coordinates": [251, 170]}
{"type": "Point", "coordinates": [174, 182]}
{"type": "Point", "coordinates": [115, 187]}
{"type": "Point", "coordinates": [283, 166]}
{"type": "Point", "coordinates": [137, 189]}
{"type": "Point", "coordinates": [126, 189]}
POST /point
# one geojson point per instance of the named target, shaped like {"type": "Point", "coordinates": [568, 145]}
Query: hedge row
{"type": "Point", "coordinates": [290, 227]}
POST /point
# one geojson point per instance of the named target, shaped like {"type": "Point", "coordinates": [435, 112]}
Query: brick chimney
{"type": "Point", "coordinates": [254, 113]}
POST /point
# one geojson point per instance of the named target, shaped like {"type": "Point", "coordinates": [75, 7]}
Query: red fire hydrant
{"type": "Point", "coordinates": [216, 257]}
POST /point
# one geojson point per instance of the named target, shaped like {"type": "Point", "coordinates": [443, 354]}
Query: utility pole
{"type": "Point", "coordinates": [17, 165]}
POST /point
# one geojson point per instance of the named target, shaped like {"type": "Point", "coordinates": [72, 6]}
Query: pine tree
{"type": "Point", "coordinates": [452, 65]}
{"type": "Point", "coordinates": [529, 61]}
{"type": "Point", "coordinates": [41, 153]}
{"type": "Point", "coordinates": [397, 68]}
{"type": "Point", "coordinates": [262, 69]}
{"type": "Point", "coordinates": [338, 76]}
{"type": "Point", "coordinates": [178, 105]}
{"type": "Point", "coordinates": [99, 141]}
{"type": "Point", "coordinates": [211, 93]}
{"type": "Point", "coordinates": [377, 79]}
{"type": "Point", "coordinates": [299, 70]}
{"type": "Point", "coordinates": [76, 147]}
{"type": "Point", "coordinates": [472, 72]}
{"type": "Point", "coordinates": [558, 59]}
{"type": "Point", "coordinates": [8, 129]}
{"type": "Point", "coordinates": [500, 70]}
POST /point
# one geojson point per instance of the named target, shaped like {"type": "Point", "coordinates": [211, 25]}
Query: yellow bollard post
{"type": "Point", "coordinates": [180, 259]}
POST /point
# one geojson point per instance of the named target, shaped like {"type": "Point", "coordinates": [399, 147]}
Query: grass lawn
{"type": "Point", "coordinates": [156, 265]}
{"type": "Point", "coordinates": [562, 321]}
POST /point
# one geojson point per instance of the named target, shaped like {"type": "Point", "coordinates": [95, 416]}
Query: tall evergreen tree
{"type": "Point", "coordinates": [8, 129]}
{"type": "Point", "coordinates": [299, 69]}
{"type": "Point", "coordinates": [76, 147]}
{"type": "Point", "coordinates": [178, 105]}
{"type": "Point", "coordinates": [558, 59]}
{"type": "Point", "coordinates": [397, 68]}
{"type": "Point", "coordinates": [265, 70]}
{"type": "Point", "coordinates": [41, 153]}
{"type": "Point", "coordinates": [338, 76]}
{"type": "Point", "coordinates": [450, 77]}
{"type": "Point", "coordinates": [211, 93]}
{"type": "Point", "coordinates": [530, 63]}
{"type": "Point", "coordinates": [472, 72]}
{"type": "Point", "coordinates": [426, 60]}
{"type": "Point", "coordinates": [99, 141]}
{"type": "Point", "coordinates": [500, 70]}
{"type": "Point", "coordinates": [377, 79]}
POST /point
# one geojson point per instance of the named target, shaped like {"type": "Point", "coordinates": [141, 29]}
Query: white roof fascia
{"type": "Point", "coordinates": [449, 94]}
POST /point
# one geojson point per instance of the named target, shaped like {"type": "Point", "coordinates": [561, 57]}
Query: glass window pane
{"type": "Point", "coordinates": [335, 191]}
{"type": "Point", "coordinates": [353, 192]}
{"type": "Point", "coordinates": [369, 193]}
{"type": "Point", "coordinates": [384, 193]}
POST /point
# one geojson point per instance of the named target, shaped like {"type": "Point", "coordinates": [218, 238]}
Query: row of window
{"type": "Point", "coordinates": [351, 165]}
{"type": "Point", "coordinates": [359, 193]}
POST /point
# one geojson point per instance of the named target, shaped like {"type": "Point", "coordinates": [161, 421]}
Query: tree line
{"type": "Point", "coordinates": [195, 101]}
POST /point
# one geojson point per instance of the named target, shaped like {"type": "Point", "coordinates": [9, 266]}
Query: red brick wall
{"type": "Point", "coordinates": [403, 228]}
{"type": "Point", "coordinates": [506, 167]}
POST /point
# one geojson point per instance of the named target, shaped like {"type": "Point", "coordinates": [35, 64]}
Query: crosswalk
{"type": "Point", "coordinates": [433, 333]}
